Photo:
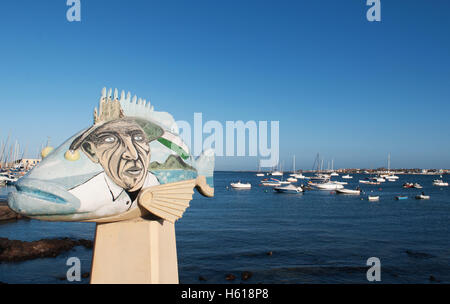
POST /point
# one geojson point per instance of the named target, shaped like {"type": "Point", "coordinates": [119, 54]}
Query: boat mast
{"type": "Point", "coordinates": [389, 162]}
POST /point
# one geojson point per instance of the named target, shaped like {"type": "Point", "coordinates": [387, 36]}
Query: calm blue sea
{"type": "Point", "coordinates": [315, 237]}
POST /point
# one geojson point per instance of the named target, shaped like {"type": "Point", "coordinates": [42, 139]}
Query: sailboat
{"type": "Point", "coordinates": [276, 173]}
{"type": "Point", "coordinates": [390, 176]}
{"type": "Point", "coordinates": [259, 170]}
{"type": "Point", "coordinates": [333, 173]}
{"type": "Point", "coordinates": [292, 177]}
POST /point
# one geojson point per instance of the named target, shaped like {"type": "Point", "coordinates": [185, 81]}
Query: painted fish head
{"type": "Point", "coordinates": [99, 172]}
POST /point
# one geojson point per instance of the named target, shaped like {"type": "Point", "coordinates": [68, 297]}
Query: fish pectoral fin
{"type": "Point", "coordinates": [168, 201]}
{"type": "Point", "coordinates": [203, 187]}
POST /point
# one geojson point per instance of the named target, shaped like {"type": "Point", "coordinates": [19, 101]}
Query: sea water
{"type": "Point", "coordinates": [311, 237]}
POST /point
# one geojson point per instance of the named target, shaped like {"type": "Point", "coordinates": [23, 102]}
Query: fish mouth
{"type": "Point", "coordinates": [34, 197]}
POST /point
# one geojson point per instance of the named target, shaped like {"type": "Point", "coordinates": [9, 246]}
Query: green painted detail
{"type": "Point", "coordinates": [176, 148]}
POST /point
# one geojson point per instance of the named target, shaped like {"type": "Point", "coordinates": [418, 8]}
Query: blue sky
{"type": "Point", "coordinates": [350, 89]}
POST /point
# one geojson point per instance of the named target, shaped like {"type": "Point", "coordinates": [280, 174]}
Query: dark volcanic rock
{"type": "Point", "coordinates": [246, 275]}
{"type": "Point", "coordinates": [15, 251]}
{"type": "Point", "coordinates": [433, 279]}
{"type": "Point", "coordinates": [7, 214]}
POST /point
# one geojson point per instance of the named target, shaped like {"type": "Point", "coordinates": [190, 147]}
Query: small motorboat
{"type": "Point", "coordinates": [439, 183]}
{"type": "Point", "coordinates": [422, 196]}
{"type": "Point", "coordinates": [240, 185]}
{"type": "Point", "coordinates": [368, 182]}
{"type": "Point", "coordinates": [341, 183]}
{"type": "Point", "coordinates": [373, 198]}
{"type": "Point", "coordinates": [347, 176]}
{"type": "Point", "coordinates": [378, 179]}
{"type": "Point", "coordinates": [285, 182]}
{"type": "Point", "coordinates": [408, 185]}
{"type": "Point", "coordinates": [292, 180]}
{"type": "Point", "coordinates": [270, 182]}
{"type": "Point", "coordinates": [288, 189]}
{"type": "Point", "coordinates": [327, 186]}
{"type": "Point", "coordinates": [401, 197]}
{"type": "Point", "coordinates": [259, 174]}
{"type": "Point", "coordinates": [348, 191]}
{"type": "Point", "coordinates": [417, 186]}
{"type": "Point", "coordinates": [276, 173]}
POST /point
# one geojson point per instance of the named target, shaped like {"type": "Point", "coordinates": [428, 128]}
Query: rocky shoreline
{"type": "Point", "coordinates": [6, 213]}
{"type": "Point", "coordinates": [16, 251]}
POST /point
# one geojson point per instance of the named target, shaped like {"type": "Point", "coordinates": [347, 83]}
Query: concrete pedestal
{"type": "Point", "coordinates": [136, 251]}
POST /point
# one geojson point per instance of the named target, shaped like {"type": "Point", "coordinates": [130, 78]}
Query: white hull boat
{"type": "Point", "coordinates": [288, 189]}
{"type": "Point", "coordinates": [240, 185]}
{"type": "Point", "coordinates": [422, 196]}
{"type": "Point", "coordinates": [292, 180]}
{"type": "Point", "coordinates": [347, 176]}
{"type": "Point", "coordinates": [276, 173]}
{"type": "Point", "coordinates": [270, 182]}
{"type": "Point", "coordinates": [341, 183]}
{"type": "Point", "coordinates": [440, 183]}
{"type": "Point", "coordinates": [327, 186]}
{"type": "Point", "coordinates": [348, 191]}
{"type": "Point", "coordinates": [373, 198]}
{"type": "Point", "coordinates": [300, 176]}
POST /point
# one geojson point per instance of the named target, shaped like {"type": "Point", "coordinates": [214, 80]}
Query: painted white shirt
{"type": "Point", "coordinates": [103, 197]}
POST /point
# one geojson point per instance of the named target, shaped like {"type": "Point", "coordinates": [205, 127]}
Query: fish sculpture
{"type": "Point", "coordinates": [130, 163]}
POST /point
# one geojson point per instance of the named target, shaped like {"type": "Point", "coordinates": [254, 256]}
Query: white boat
{"type": "Point", "coordinates": [259, 170]}
{"type": "Point", "coordinates": [422, 196]}
{"type": "Point", "coordinates": [272, 182]}
{"type": "Point", "coordinates": [288, 189]}
{"type": "Point", "coordinates": [348, 191]}
{"type": "Point", "coordinates": [334, 174]}
{"type": "Point", "coordinates": [285, 182]}
{"type": "Point", "coordinates": [340, 183]}
{"type": "Point", "coordinates": [389, 175]}
{"type": "Point", "coordinates": [378, 179]}
{"type": "Point", "coordinates": [292, 180]}
{"type": "Point", "coordinates": [440, 183]}
{"type": "Point", "coordinates": [417, 186]}
{"type": "Point", "coordinates": [326, 186]}
{"type": "Point", "coordinates": [276, 173]}
{"type": "Point", "coordinates": [347, 176]}
{"type": "Point", "coordinates": [240, 185]}
{"type": "Point", "coordinates": [320, 177]}
{"type": "Point", "coordinates": [373, 198]}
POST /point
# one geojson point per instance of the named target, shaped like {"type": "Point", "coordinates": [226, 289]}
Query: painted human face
{"type": "Point", "coordinates": [122, 148]}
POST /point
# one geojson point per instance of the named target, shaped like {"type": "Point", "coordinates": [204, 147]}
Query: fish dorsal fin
{"type": "Point", "coordinates": [168, 201]}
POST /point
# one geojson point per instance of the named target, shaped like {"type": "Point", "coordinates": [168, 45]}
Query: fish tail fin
{"type": "Point", "coordinates": [205, 170]}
